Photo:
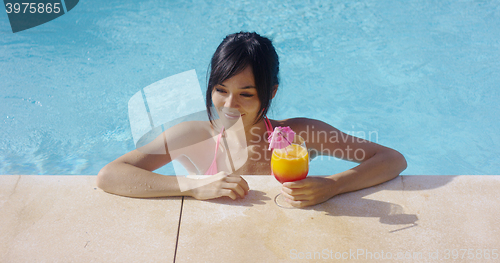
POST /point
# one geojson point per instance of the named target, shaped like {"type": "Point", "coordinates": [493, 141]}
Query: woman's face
{"type": "Point", "coordinates": [237, 96]}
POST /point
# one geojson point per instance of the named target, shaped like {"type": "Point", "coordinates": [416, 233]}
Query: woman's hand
{"type": "Point", "coordinates": [309, 191]}
{"type": "Point", "coordinates": [220, 184]}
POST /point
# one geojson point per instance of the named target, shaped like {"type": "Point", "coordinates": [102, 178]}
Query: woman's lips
{"type": "Point", "coordinates": [231, 116]}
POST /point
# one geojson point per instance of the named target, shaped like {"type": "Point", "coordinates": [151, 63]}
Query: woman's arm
{"type": "Point", "coordinates": [385, 165]}
{"type": "Point", "coordinates": [128, 180]}
{"type": "Point", "coordinates": [378, 164]}
{"type": "Point", "coordinates": [131, 174]}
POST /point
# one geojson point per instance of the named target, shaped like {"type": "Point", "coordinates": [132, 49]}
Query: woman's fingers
{"type": "Point", "coordinates": [300, 203]}
{"type": "Point", "coordinates": [222, 184]}
{"type": "Point", "coordinates": [240, 181]}
{"type": "Point", "coordinates": [297, 184]}
{"type": "Point", "coordinates": [309, 191]}
{"type": "Point", "coordinates": [234, 187]}
{"type": "Point", "coordinates": [295, 197]}
{"type": "Point", "coordinates": [297, 200]}
{"type": "Point", "coordinates": [229, 193]}
{"type": "Point", "coordinates": [295, 191]}
{"type": "Point", "coordinates": [232, 190]}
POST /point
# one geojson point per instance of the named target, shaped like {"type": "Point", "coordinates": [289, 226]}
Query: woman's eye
{"type": "Point", "coordinates": [219, 90]}
{"type": "Point", "coordinates": [247, 95]}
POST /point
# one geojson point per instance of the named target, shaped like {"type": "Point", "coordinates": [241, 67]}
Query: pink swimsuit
{"type": "Point", "coordinates": [213, 168]}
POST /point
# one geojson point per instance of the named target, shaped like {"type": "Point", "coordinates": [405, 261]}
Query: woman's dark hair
{"type": "Point", "coordinates": [234, 54]}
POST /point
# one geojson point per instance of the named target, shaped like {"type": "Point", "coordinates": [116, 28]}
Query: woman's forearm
{"type": "Point", "coordinates": [127, 180]}
{"type": "Point", "coordinates": [380, 168]}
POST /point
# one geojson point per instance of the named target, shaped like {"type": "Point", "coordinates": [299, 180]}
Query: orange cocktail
{"type": "Point", "coordinates": [291, 163]}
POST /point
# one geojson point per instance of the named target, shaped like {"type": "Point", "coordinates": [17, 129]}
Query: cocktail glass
{"type": "Point", "coordinates": [289, 164]}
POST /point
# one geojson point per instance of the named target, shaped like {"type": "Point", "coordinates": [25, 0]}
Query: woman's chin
{"type": "Point", "coordinates": [232, 121]}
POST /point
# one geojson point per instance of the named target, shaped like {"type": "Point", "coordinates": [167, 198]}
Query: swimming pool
{"type": "Point", "coordinates": [420, 76]}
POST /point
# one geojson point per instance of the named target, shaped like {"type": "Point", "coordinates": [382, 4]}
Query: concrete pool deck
{"type": "Point", "coordinates": [420, 218]}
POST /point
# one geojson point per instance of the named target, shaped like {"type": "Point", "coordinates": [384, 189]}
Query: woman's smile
{"type": "Point", "coordinates": [232, 116]}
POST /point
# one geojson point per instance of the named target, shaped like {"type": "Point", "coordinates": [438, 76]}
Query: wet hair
{"type": "Point", "coordinates": [234, 54]}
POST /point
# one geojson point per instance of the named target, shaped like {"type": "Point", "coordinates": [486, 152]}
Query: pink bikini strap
{"type": "Point", "coordinates": [269, 127]}
{"type": "Point", "coordinates": [218, 142]}
{"type": "Point", "coordinates": [213, 167]}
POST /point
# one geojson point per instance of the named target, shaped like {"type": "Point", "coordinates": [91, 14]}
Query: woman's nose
{"type": "Point", "coordinates": [231, 102]}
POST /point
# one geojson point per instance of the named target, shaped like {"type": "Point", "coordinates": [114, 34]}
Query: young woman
{"type": "Point", "coordinates": [243, 81]}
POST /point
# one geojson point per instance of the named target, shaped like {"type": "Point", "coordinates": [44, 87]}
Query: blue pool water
{"type": "Point", "coordinates": [423, 76]}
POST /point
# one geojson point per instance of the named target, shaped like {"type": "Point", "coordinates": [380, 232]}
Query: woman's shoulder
{"type": "Point", "coordinates": [194, 126]}
{"type": "Point", "coordinates": [199, 130]}
{"type": "Point", "coordinates": [299, 122]}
